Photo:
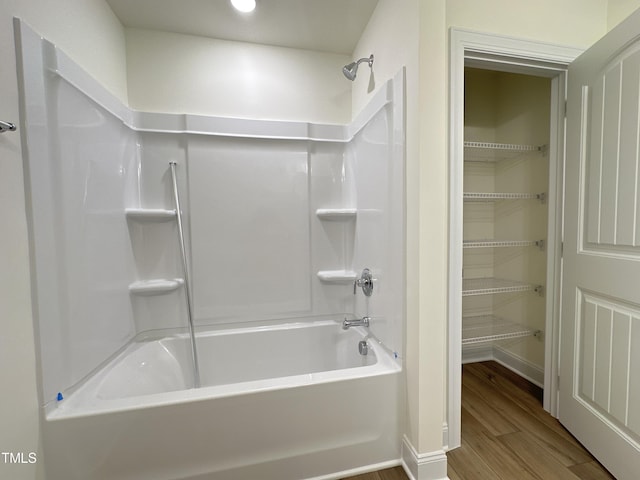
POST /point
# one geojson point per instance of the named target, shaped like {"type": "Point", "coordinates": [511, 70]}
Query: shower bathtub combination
{"type": "Point", "coordinates": [289, 399]}
{"type": "Point", "coordinates": [196, 297]}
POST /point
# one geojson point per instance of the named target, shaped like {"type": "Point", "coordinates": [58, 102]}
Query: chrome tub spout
{"type": "Point", "coordinates": [363, 322]}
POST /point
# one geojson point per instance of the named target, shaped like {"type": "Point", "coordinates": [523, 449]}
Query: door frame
{"type": "Point", "coordinates": [497, 52]}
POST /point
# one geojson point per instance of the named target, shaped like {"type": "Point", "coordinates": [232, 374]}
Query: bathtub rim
{"type": "Point", "coordinates": [149, 336]}
{"type": "Point", "coordinates": [387, 363]}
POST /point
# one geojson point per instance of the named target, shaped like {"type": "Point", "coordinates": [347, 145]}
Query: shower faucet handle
{"type": "Point", "coordinates": [365, 282]}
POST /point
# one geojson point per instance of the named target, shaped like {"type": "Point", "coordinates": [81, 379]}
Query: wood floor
{"type": "Point", "coordinates": [506, 435]}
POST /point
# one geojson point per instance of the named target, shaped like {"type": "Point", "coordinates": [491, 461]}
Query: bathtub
{"type": "Point", "coordinates": [289, 401]}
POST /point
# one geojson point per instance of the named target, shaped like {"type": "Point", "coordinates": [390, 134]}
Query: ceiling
{"type": "Point", "coordinates": [323, 25]}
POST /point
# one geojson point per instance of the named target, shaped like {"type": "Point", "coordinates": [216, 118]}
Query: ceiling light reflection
{"type": "Point", "coordinates": [244, 5]}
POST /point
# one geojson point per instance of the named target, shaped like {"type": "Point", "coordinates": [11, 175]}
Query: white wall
{"type": "Point", "coordinates": [87, 30]}
{"type": "Point", "coordinates": [544, 20]}
{"type": "Point", "coordinates": [415, 34]}
{"type": "Point", "coordinates": [176, 73]}
{"type": "Point", "coordinates": [82, 28]}
{"type": "Point", "coordinates": [392, 36]}
{"type": "Point", "coordinates": [618, 10]}
{"type": "Point", "coordinates": [412, 34]}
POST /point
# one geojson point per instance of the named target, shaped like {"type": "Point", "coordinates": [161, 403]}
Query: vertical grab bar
{"type": "Point", "coordinates": [187, 286]}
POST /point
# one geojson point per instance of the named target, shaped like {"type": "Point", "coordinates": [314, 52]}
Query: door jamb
{"type": "Point", "coordinates": [518, 56]}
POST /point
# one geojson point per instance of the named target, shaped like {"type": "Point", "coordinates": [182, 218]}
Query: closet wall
{"type": "Point", "coordinates": [505, 238]}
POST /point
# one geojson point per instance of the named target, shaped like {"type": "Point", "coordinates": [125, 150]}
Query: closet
{"type": "Point", "coordinates": [506, 180]}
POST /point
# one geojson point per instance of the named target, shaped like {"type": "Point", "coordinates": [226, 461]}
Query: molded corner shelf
{"type": "Point", "coordinates": [155, 287]}
{"type": "Point", "coordinates": [150, 214]}
{"type": "Point", "coordinates": [494, 152]}
{"type": "Point", "coordinates": [336, 213]}
{"type": "Point", "coordinates": [337, 276]}
{"type": "Point", "coordinates": [491, 286]}
{"type": "Point", "coordinates": [489, 328]}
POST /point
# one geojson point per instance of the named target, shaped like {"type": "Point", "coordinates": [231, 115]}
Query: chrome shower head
{"type": "Point", "coordinates": [351, 69]}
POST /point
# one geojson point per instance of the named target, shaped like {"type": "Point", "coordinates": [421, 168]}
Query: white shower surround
{"type": "Point", "coordinates": [70, 117]}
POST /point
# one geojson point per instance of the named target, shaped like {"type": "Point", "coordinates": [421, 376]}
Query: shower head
{"type": "Point", "coordinates": [351, 69]}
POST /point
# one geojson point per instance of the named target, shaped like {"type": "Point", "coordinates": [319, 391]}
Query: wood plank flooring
{"type": "Point", "coordinates": [506, 435]}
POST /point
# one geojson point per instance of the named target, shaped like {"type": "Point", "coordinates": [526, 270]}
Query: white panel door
{"type": "Point", "coordinates": [600, 334]}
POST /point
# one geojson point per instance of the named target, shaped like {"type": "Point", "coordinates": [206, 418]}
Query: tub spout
{"type": "Point", "coordinates": [363, 322]}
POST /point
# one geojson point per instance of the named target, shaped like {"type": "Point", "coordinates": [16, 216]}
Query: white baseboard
{"type": "Point", "coordinates": [477, 353]}
{"type": "Point", "coordinates": [359, 471]}
{"type": "Point", "coordinates": [519, 365]}
{"type": "Point", "coordinates": [423, 466]}
{"type": "Point", "coordinates": [524, 368]}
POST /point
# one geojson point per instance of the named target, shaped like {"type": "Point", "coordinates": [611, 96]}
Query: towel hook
{"type": "Point", "coordinates": [7, 127]}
